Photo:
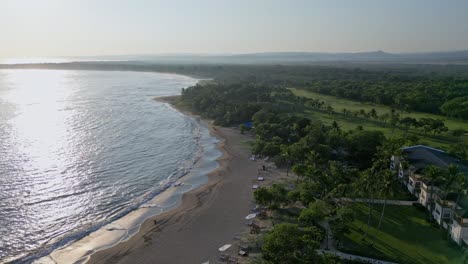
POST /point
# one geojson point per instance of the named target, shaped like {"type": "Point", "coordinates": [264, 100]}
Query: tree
{"type": "Point", "coordinates": [315, 212]}
{"type": "Point", "coordinates": [407, 122]}
{"type": "Point", "coordinates": [363, 113]}
{"type": "Point", "coordinates": [373, 113]}
{"type": "Point", "coordinates": [288, 243]}
{"type": "Point", "coordinates": [306, 192]}
{"type": "Point", "coordinates": [341, 223]}
{"type": "Point", "coordinates": [345, 112]}
{"type": "Point", "coordinates": [454, 181]}
{"type": "Point", "coordinates": [367, 188]}
{"type": "Point", "coordinates": [263, 196]}
{"type": "Point", "coordinates": [385, 117]}
{"type": "Point", "coordinates": [459, 132]}
{"type": "Point", "coordinates": [242, 128]}
{"type": "Point", "coordinates": [381, 168]}
{"type": "Point", "coordinates": [362, 146]}
{"type": "Point", "coordinates": [432, 174]}
{"type": "Point", "coordinates": [385, 189]}
{"type": "Point", "coordinates": [394, 119]}
{"type": "Point", "coordinates": [456, 107]}
{"type": "Point", "coordinates": [279, 195]}
{"type": "Point", "coordinates": [459, 150]}
{"type": "Point", "coordinates": [336, 127]}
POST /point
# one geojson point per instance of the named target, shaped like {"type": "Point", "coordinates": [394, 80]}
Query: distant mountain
{"type": "Point", "coordinates": [452, 57]}
{"type": "Point", "coordinates": [306, 57]}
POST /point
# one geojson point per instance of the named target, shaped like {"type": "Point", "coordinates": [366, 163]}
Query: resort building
{"type": "Point", "coordinates": [443, 209]}
{"type": "Point", "coordinates": [459, 227]}
{"type": "Point", "coordinates": [449, 210]}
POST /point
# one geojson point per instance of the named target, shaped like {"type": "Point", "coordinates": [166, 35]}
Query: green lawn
{"type": "Point", "coordinates": [439, 141]}
{"type": "Point", "coordinates": [405, 237]}
{"type": "Point", "coordinates": [338, 104]}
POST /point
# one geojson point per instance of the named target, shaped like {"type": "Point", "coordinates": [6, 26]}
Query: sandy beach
{"type": "Point", "coordinates": [208, 217]}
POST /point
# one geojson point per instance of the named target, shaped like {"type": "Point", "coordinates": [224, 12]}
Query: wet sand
{"type": "Point", "coordinates": [208, 217]}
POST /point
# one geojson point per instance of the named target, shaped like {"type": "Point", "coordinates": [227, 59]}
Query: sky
{"type": "Point", "coordinates": [54, 28]}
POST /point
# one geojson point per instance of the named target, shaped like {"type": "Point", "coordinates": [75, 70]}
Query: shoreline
{"type": "Point", "coordinates": [123, 229]}
{"type": "Point", "coordinates": [206, 218]}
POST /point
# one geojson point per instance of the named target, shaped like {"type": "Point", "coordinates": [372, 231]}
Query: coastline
{"type": "Point", "coordinates": [169, 200]}
{"type": "Point", "coordinates": [206, 218]}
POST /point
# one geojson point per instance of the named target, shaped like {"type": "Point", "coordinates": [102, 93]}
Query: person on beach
{"type": "Point", "coordinates": [155, 222]}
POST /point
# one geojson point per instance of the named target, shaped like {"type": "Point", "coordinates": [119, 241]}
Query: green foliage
{"type": "Point", "coordinates": [242, 128]}
{"type": "Point", "coordinates": [316, 212]}
{"type": "Point", "coordinates": [263, 196]}
{"type": "Point", "coordinates": [273, 197]}
{"type": "Point", "coordinates": [328, 160]}
{"type": "Point", "coordinates": [233, 103]}
{"type": "Point", "coordinates": [405, 237]}
{"type": "Point", "coordinates": [456, 107]}
{"type": "Point", "coordinates": [288, 243]}
{"type": "Point", "coordinates": [459, 150]}
{"type": "Point", "coordinates": [362, 145]}
{"type": "Point", "coordinates": [341, 224]}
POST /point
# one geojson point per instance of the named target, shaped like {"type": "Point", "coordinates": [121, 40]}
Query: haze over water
{"type": "Point", "coordinates": [81, 148]}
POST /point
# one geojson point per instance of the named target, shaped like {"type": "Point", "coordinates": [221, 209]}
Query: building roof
{"type": "Point", "coordinates": [421, 156]}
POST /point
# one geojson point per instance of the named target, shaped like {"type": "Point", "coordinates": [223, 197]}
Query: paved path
{"type": "Point", "coordinates": [365, 200]}
{"type": "Point", "coordinates": [329, 242]}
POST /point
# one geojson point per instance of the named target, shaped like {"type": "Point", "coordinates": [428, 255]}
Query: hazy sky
{"type": "Point", "coordinates": [44, 28]}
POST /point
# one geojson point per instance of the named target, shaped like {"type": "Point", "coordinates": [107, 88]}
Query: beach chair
{"type": "Point", "coordinates": [243, 250]}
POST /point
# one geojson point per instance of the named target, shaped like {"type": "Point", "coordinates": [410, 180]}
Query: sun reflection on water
{"type": "Point", "coordinates": [39, 123]}
{"type": "Point", "coordinates": [80, 148]}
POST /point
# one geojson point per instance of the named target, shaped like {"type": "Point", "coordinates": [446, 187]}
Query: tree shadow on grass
{"type": "Point", "coordinates": [405, 237]}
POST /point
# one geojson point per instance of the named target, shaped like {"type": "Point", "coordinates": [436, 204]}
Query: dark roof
{"type": "Point", "coordinates": [422, 156]}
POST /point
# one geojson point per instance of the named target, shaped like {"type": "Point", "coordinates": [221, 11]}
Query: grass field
{"type": "Point", "coordinates": [406, 237]}
{"type": "Point", "coordinates": [346, 123]}
{"type": "Point", "coordinates": [338, 104]}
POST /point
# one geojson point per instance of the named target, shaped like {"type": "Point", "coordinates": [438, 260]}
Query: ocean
{"type": "Point", "coordinates": [81, 149]}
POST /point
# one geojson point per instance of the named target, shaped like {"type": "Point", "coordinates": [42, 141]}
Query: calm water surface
{"type": "Point", "coordinates": [80, 148]}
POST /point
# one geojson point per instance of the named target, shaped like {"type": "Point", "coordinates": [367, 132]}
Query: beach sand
{"type": "Point", "coordinates": [208, 217]}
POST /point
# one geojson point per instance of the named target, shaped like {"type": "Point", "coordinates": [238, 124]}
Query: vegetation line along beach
{"type": "Point", "coordinates": [207, 218]}
{"type": "Point", "coordinates": [246, 131]}
{"type": "Point", "coordinates": [344, 191]}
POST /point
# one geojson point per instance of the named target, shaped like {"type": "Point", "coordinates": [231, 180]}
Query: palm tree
{"type": "Point", "coordinates": [386, 188]}
{"type": "Point", "coordinates": [455, 181]}
{"type": "Point", "coordinates": [432, 174]}
{"type": "Point", "coordinates": [368, 187]}
{"type": "Point", "coordinates": [336, 127]}
{"type": "Point", "coordinates": [381, 171]}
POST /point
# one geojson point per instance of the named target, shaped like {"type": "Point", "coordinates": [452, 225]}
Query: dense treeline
{"type": "Point", "coordinates": [325, 159]}
{"type": "Point", "coordinates": [446, 96]}
{"type": "Point", "coordinates": [328, 163]}
{"type": "Point", "coordinates": [441, 89]}
{"type": "Point", "coordinates": [229, 104]}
